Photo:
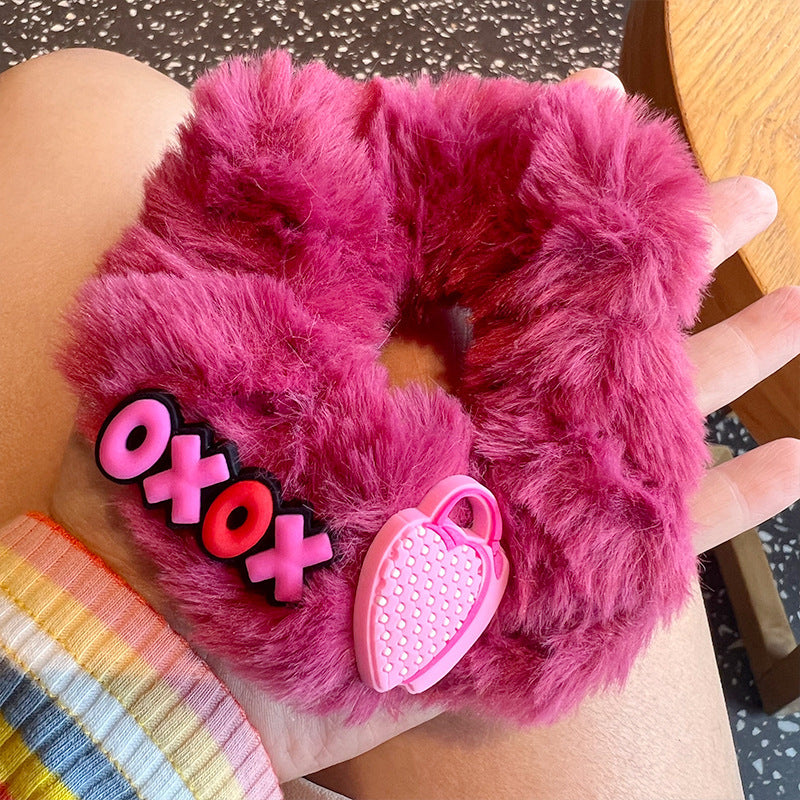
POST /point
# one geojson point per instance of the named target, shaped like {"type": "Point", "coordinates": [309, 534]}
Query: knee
{"type": "Point", "coordinates": [93, 86]}
{"type": "Point", "coordinates": [68, 60]}
{"type": "Point", "coordinates": [78, 131]}
{"type": "Point", "coordinates": [77, 68]}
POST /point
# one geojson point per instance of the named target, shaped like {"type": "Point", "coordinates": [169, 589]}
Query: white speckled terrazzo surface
{"type": "Point", "coordinates": [181, 38]}
{"type": "Point", "coordinates": [530, 40]}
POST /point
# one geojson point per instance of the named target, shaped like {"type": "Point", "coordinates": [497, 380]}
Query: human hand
{"type": "Point", "coordinates": [732, 357]}
{"type": "Point", "coordinates": [300, 743]}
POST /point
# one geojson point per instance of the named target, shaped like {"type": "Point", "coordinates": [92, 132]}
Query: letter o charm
{"type": "Point", "coordinates": [222, 541]}
{"type": "Point", "coordinates": [116, 457]}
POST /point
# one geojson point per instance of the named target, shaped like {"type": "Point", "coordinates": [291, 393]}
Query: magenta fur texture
{"type": "Point", "coordinates": [301, 215]}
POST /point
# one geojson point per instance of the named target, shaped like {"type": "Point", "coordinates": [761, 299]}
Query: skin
{"type": "Point", "coordinates": [71, 166]}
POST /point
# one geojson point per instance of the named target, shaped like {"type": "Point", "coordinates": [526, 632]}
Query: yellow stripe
{"type": "Point", "coordinates": [23, 772]}
{"type": "Point", "coordinates": [125, 675]}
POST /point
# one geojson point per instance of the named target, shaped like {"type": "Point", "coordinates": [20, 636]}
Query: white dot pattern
{"type": "Point", "coordinates": [414, 623]}
{"type": "Point", "coordinates": [359, 38]}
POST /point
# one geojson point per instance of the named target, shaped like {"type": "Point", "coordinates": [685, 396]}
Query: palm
{"type": "Point", "coordinates": [729, 358]}
{"type": "Point", "coordinates": [762, 338]}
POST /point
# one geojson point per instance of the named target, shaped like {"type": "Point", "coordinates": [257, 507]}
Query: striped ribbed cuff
{"type": "Point", "coordinates": [99, 697]}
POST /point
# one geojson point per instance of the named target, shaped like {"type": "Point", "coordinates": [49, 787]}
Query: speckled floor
{"type": "Point", "coordinates": [532, 40]}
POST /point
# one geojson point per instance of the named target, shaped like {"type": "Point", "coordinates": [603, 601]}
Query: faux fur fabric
{"type": "Point", "coordinates": [301, 215]}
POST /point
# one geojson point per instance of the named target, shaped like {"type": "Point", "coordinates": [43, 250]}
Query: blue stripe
{"type": "Point", "coordinates": [57, 740]}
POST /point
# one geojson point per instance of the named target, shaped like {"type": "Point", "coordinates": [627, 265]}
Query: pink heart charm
{"type": "Point", "coordinates": [428, 588]}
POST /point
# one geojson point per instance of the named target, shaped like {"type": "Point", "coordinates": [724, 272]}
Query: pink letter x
{"type": "Point", "coordinates": [183, 481]}
{"type": "Point", "coordinates": [292, 553]}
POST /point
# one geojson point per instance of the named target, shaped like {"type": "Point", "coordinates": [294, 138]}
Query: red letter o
{"type": "Point", "coordinates": [223, 541]}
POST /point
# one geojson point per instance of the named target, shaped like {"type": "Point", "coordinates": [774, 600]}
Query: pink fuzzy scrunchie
{"type": "Point", "coordinates": [300, 217]}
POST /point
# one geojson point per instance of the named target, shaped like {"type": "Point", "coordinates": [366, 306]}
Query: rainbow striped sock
{"type": "Point", "coordinates": [99, 697]}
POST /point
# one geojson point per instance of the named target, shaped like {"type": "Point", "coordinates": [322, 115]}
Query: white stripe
{"type": "Point", "coordinates": [100, 714]}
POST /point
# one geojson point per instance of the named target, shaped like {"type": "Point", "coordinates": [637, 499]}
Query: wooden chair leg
{"type": "Point", "coordinates": [764, 627]}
